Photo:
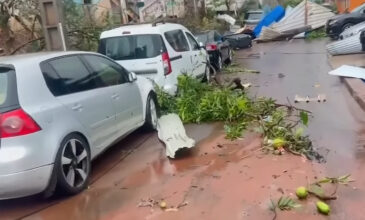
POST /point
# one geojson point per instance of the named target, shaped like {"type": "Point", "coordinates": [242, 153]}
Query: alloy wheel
{"type": "Point", "coordinates": [153, 112]}
{"type": "Point", "coordinates": [75, 163]}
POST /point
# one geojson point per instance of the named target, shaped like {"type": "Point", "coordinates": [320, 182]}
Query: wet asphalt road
{"type": "Point", "coordinates": [137, 166]}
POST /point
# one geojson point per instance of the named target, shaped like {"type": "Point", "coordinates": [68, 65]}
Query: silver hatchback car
{"type": "Point", "coordinates": [60, 110]}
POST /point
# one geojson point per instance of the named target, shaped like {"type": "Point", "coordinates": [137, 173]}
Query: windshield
{"type": "Point", "coordinates": [359, 8]}
{"type": "Point", "coordinates": [132, 47]}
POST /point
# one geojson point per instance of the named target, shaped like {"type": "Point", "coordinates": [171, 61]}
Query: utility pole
{"type": "Point", "coordinates": [306, 13]}
{"type": "Point", "coordinates": [123, 12]}
{"type": "Point", "coordinates": [53, 24]}
{"type": "Point", "coordinates": [195, 9]}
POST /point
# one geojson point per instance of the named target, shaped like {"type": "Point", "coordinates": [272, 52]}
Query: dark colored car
{"type": "Point", "coordinates": [337, 24]}
{"type": "Point", "coordinates": [217, 47]}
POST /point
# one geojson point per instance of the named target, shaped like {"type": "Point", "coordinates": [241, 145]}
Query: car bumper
{"type": "Point", "coordinates": [25, 183]}
{"type": "Point", "coordinates": [333, 31]}
{"type": "Point", "coordinates": [213, 58]}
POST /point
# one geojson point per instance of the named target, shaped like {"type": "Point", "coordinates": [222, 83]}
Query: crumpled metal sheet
{"type": "Point", "coordinates": [317, 17]}
{"type": "Point", "coordinates": [346, 46]}
{"type": "Point", "coordinates": [349, 71]}
{"type": "Point", "coordinates": [171, 131]}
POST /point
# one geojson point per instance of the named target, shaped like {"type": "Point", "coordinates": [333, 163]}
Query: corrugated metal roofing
{"type": "Point", "coordinates": [317, 17]}
{"type": "Point", "coordinates": [346, 46]}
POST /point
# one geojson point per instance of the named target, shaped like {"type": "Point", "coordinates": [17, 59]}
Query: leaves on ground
{"type": "Point", "coordinates": [197, 102]}
{"type": "Point", "coordinates": [344, 180]}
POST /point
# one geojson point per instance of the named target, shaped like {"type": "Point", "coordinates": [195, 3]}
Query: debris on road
{"type": "Point", "coordinates": [349, 45]}
{"type": "Point", "coordinates": [307, 99]}
{"type": "Point", "coordinates": [323, 207]}
{"type": "Point", "coordinates": [229, 19]}
{"type": "Point", "coordinates": [349, 71]}
{"type": "Point", "coordinates": [147, 203]}
{"type": "Point", "coordinates": [283, 204]}
{"type": "Point", "coordinates": [301, 192]}
{"type": "Point", "coordinates": [274, 16]}
{"type": "Point", "coordinates": [293, 22]}
{"type": "Point", "coordinates": [171, 131]}
{"type": "Point", "coordinates": [235, 68]}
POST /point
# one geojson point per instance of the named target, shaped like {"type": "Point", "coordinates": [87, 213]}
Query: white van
{"type": "Point", "coordinates": [159, 51]}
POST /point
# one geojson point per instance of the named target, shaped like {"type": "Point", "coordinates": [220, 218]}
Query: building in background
{"type": "Point", "coordinates": [347, 5]}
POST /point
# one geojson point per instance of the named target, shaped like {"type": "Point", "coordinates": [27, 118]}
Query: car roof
{"type": "Point", "coordinates": [137, 29]}
{"type": "Point", "coordinates": [36, 58]}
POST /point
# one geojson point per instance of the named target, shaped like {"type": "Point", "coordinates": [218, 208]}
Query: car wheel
{"type": "Point", "coordinates": [346, 26]}
{"type": "Point", "coordinates": [207, 75]}
{"type": "Point", "coordinates": [73, 165]}
{"type": "Point", "coordinates": [230, 57]}
{"type": "Point", "coordinates": [152, 113]}
{"type": "Point", "coordinates": [219, 63]}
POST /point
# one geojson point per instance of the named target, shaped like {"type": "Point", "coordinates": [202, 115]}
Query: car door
{"type": "Point", "coordinates": [198, 56]}
{"type": "Point", "coordinates": [223, 46]}
{"type": "Point", "coordinates": [125, 95]}
{"type": "Point", "coordinates": [85, 100]}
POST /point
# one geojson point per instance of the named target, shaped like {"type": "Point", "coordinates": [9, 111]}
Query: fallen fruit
{"type": "Point", "coordinates": [302, 192]}
{"type": "Point", "coordinates": [323, 208]}
{"type": "Point", "coordinates": [163, 205]}
{"type": "Point", "coordinates": [278, 143]}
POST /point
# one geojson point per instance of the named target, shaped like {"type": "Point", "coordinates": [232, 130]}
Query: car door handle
{"type": "Point", "coordinates": [115, 96]}
{"type": "Point", "coordinates": [77, 107]}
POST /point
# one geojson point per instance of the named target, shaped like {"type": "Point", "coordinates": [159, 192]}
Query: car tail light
{"type": "Point", "coordinates": [17, 123]}
{"type": "Point", "coordinates": [166, 63]}
{"type": "Point", "coordinates": [211, 47]}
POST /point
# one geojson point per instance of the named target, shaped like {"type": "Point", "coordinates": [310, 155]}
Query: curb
{"type": "Point", "coordinates": [352, 85]}
{"type": "Point", "coordinates": [356, 87]}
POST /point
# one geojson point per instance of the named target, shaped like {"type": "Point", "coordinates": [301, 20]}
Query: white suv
{"type": "Point", "coordinates": [160, 52]}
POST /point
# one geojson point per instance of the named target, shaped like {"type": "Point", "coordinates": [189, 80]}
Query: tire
{"type": "Point", "coordinates": [152, 113]}
{"type": "Point", "coordinates": [230, 57]}
{"type": "Point", "coordinates": [347, 26]}
{"type": "Point", "coordinates": [219, 63]}
{"type": "Point", "coordinates": [73, 165]}
{"type": "Point", "coordinates": [207, 75]}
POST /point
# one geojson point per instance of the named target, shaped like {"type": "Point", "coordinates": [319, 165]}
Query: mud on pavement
{"type": "Point", "coordinates": [220, 179]}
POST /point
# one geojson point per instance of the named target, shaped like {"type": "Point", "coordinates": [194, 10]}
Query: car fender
{"type": "Point", "coordinates": [146, 86]}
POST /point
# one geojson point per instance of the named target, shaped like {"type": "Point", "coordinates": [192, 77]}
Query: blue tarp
{"type": "Point", "coordinates": [274, 16]}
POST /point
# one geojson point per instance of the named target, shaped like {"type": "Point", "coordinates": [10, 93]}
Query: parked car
{"type": "Point", "coordinates": [339, 23]}
{"type": "Point", "coordinates": [352, 30]}
{"type": "Point", "coordinates": [217, 46]}
{"type": "Point", "coordinates": [60, 110]}
{"type": "Point", "coordinates": [159, 51]}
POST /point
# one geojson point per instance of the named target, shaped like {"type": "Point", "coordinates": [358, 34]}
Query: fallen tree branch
{"type": "Point", "coordinates": [25, 44]}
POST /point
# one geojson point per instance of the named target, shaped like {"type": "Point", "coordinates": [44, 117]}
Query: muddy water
{"type": "Point", "coordinates": [220, 179]}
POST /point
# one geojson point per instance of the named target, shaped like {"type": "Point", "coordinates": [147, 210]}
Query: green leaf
{"type": "Point", "coordinates": [316, 190]}
{"type": "Point", "coordinates": [287, 203]}
{"type": "Point", "coordinates": [304, 118]}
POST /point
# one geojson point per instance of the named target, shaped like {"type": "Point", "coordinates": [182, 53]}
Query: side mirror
{"type": "Point", "coordinates": [132, 77]}
{"type": "Point", "coordinates": [201, 45]}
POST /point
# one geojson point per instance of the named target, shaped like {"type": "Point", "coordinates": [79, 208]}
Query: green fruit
{"type": "Point", "coordinates": [323, 208]}
{"type": "Point", "coordinates": [278, 143]}
{"type": "Point", "coordinates": [302, 192]}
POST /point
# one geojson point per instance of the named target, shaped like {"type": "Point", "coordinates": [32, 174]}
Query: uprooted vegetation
{"type": "Point", "coordinates": [197, 102]}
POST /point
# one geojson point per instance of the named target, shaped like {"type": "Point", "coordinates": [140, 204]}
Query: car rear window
{"type": "Point", "coordinates": [132, 47]}
{"type": "Point", "coordinates": [8, 93]}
